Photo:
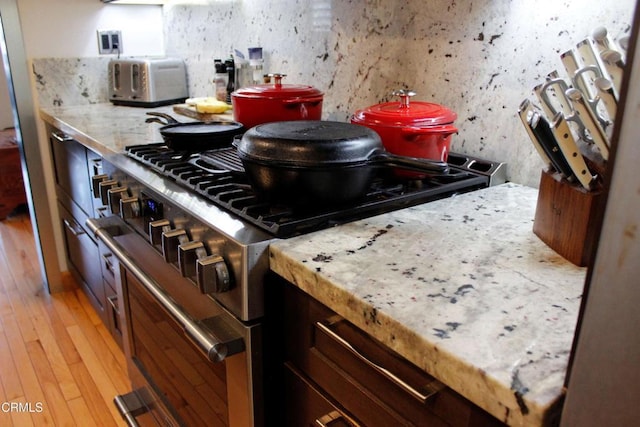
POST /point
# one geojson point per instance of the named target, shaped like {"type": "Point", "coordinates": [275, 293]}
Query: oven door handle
{"type": "Point", "coordinates": [215, 346]}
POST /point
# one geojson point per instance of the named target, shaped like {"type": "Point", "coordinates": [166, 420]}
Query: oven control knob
{"type": "Point", "coordinates": [129, 207]}
{"type": "Point", "coordinates": [213, 275]}
{"type": "Point", "coordinates": [188, 254]}
{"type": "Point", "coordinates": [95, 184]}
{"type": "Point", "coordinates": [114, 195]}
{"type": "Point", "coordinates": [104, 187]}
{"type": "Point", "coordinates": [156, 228]}
{"type": "Point", "coordinates": [171, 239]}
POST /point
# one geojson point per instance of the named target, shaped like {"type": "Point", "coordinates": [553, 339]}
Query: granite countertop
{"type": "Point", "coordinates": [461, 287]}
{"type": "Point", "coordinates": [108, 129]}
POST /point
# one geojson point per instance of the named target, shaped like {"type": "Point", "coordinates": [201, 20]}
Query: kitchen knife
{"type": "Point", "coordinates": [591, 58]}
{"type": "Point", "coordinates": [544, 135]}
{"type": "Point", "coordinates": [591, 122]}
{"type": "Point", "coordinates": [552, 95]}
{"type": "Point", "coordinates": [577, 70]}
{"type": "Point", "coordinates": [525, 111]}
{"type": "Point", "coordinates": [548, 108]}
{"type": "Point", "coordinates": [602, 42]}
{"type": "Point", "coordinates": [571, 63]}
{"type": "Point", "coordinates": [612, 61]}
{"type": "Point", "coordinates": [607, 94]}
{"type": "Point", "coordinates": [578, 74]}
{"type": "Point", "coordinates": [571, 152]}
{"type": "Point", "coordinates": [584, 80]}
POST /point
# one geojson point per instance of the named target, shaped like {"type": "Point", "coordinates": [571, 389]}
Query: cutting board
{"type": "Point", "coordinates": [190, 111]}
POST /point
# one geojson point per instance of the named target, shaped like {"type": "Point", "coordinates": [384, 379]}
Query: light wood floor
{"type": "Point", "coordinates": [58, 363]}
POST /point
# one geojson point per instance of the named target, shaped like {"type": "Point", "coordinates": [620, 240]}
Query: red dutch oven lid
{"type": "Point", "coordinates": [278, 90]}
{"type": "Point", "coordinates": [405, 113]}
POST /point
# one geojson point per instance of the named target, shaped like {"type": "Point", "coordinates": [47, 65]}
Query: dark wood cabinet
{"type": "Point", "coordinates": [75, 205]}
{"type": "Point", "coordinates": [75, 166]}
{"type": "Point", "coordinates": [305, 402]}
{"type": "Point", "coordinates": [335, 374]}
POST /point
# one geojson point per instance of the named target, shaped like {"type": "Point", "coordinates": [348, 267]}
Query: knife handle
{"type": "Point", "coordinates": [570, 62]}
{"type": "Point", "coordinates": [571, 151]}
{"type": "Point", "coordinates": [547, 139]}
{"type": "Point", "coordinates": [605, 88]}
{"type": "Point", "coordinates": [525, 113]}
{"type": "Point", "coordinates": [552, 94]}
{"type": "Point", "coordinates": [598, 135]}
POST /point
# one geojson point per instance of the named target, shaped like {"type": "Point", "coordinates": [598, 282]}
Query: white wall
{"type": "Point", "coordinates": [67, 28]}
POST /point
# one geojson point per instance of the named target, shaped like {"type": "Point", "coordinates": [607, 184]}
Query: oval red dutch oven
{"type": "Point", "coordinates": [411, 128]}
{"type": "Point", "coordinates": [277, 102]}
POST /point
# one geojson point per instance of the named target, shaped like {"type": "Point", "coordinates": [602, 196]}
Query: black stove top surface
{"type": "Point", "coordinates": [218, 176]}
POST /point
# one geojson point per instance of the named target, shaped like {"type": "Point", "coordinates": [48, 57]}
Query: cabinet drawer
{"type": "Point", "coordinates": [108, 264]}
{"type": "Point", "coordinates": [71, 172]}
{"type": "Point", "coordinates": [307, 406]}
{"type": "Point", "coordinates": [113, 314]}
{"type": "Point", "coordinates": [83, 256]}
{"type": "Point", "coordinates": [372, 383]}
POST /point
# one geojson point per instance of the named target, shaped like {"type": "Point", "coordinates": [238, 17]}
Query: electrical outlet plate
{"type": "Point", "coordinates": [109, 42]}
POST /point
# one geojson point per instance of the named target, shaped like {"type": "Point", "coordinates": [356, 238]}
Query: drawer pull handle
{"type": "Point", "coordinates": [74, 228]}
{"type": "Point", "coordinates": [335, 419]}
{"type": "Point", "coordinates": [430, 389]}
{"type": "Point", "coordinates": [113, 302]}
{"type": "Point", "coordinates": [106, 258]}
{"type": "Point", "coordinates": [61, 137]}
{"type": "Point", "coordinates": [130, 406]}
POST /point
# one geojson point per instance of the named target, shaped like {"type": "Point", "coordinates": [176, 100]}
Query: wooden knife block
{"type": "Point", "coordinates": [566, 218]}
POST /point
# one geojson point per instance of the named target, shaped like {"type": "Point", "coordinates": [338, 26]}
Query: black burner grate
{"type": "Point", "coordinates": [219, 177]}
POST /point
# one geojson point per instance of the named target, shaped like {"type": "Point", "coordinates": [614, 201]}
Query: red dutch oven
{"type": "Point", "coordinates": [255, 105]}
{"type": "Point", "coordinates": [411, 129]}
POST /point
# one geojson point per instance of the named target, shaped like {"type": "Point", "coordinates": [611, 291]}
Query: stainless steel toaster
{"type": "Point", "coordinates": [147, 82]}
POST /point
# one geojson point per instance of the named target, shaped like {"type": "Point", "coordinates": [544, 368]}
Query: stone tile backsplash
{"type": "Point", "coordinates": [478, 58]}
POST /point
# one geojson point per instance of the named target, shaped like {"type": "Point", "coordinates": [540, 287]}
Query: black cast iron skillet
{"type": "Point", "coordinates": [195, 136]}
{"type": "Point", "coordinates": [319, 162]}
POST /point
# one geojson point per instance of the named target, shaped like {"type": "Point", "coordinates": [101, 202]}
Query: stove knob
{"type": "Point", "coordinates": [95, 183]}
{"type": "Point", "coordinates": [129, 207]}
{"type": "Point", "coordinates": [114, 195]}
{"type": "Point", "coordinates": [213, 275]}
{"type": "Point", "coordinates": [104, 187]}
{"type": "Point", "coordinates": [188, 255]}
{"type": "Point", "coordinates": [170, 241]}
{"type": "Point", "coordinates": [156, 228]}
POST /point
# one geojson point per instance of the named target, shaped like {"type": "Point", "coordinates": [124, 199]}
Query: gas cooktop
{"type": "Point", "coordinates": [218, 176]}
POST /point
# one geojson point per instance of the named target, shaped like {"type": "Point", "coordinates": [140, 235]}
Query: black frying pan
{"type": "Point", "coordinates": [319, 162]}
{"type": "Point", "coordinates": [195, 136]}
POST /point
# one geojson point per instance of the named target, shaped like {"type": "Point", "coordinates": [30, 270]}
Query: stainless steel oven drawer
{"type": "Point", "coordinates": [192, 362]}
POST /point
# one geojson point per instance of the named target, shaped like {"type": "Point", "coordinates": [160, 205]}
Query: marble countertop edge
{"type": "Point", "coordinates": [468, 380]}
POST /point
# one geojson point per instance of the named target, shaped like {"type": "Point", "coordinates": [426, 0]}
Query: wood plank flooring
{"type": "Point", "coordinates": [58, 364]}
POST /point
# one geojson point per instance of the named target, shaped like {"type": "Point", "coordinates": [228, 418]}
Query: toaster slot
{"type": "Point", "coordinates": [116, 77]}
{"type": "Point", "coordinates": [135, 77]}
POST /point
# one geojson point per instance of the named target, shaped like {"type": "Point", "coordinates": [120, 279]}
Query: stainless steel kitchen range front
{"type": "Point", "coordinates": [188, 241]}
{"type": "Point", "coordinates": [193, 359]}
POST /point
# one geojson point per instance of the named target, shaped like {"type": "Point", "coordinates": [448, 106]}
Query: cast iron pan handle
{"type": "Point", "coordinates": [410, 163]}
{"type": "Point", "coordinates": [169, 119]}
{"type": "Point", "coordinates": [155, 120]}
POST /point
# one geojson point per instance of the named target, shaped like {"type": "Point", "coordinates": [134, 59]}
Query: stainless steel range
{"type": "Point", "coordinates": [190, 239]}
